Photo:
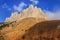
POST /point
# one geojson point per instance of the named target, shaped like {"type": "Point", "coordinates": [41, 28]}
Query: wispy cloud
{"type": "Point", "coordinates": [53, 15]}
{"type": "Point", "coordinates": [34, 2]}
{"type": "Point", "coordinates": [20, 7]}
{"type": "Point", "coordinates": [6, 6]}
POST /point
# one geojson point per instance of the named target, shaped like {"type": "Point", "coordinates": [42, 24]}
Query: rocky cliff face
{"type": "Point", "coordinates": [31, 11]}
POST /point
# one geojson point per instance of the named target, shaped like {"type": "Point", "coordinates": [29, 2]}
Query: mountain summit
{"type": "Point", "coordinates": [31, 11]}
{"type": "Point", "coordinates": [19, 23]}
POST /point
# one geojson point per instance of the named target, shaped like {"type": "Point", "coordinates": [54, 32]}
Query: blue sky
{"type": "Point", "coordinates": [9, 6]}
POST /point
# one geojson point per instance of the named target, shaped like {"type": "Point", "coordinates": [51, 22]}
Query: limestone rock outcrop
{"type": "Point", "coordinates": [31, 11]}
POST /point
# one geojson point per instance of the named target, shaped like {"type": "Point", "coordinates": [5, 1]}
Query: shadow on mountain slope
{"type": "Point", "coordinates": [48, 30]}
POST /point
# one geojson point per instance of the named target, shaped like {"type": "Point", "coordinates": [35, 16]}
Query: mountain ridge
{"type": "Point", "coordinates": [31, 11]}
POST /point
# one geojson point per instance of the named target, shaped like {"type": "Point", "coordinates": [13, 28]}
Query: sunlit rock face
{"type": "Point", "coordinates": [31, 11]}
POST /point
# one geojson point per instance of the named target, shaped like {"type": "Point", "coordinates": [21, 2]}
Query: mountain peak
{"type": "Point", "coordinates": [31, 6]}
{"type": "Point", "coordinates": [31, 11]}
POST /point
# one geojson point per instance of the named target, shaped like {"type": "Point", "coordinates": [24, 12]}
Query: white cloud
{"type": "Point", "coordinates": [6, 6]}
{"type": "Point", "coordinates": [52, 15]}
{"type": "Point", "coordinates": [20, 7]}
{"type": "Point", "coordinates": [34, 2]}
{"type": "Point", "coordinates": [9, 9]}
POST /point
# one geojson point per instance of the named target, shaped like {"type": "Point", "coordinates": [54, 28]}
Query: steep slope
{"type": "Point", "coordinates": [20, 28]}
{"type": "Point", "coordinates": [48, 30]}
